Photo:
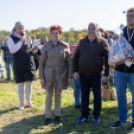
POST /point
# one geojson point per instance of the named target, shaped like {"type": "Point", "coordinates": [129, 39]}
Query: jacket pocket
{"type": "Point", "coordinates": [48, 73]}
{"type": "Point", "coordinates": [63, 72]}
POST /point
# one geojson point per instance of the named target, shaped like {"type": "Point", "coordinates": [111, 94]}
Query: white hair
{"type": "Point", "coordinates": [96, 25]}
{"type": "Point", "coordinates": [18, 23]}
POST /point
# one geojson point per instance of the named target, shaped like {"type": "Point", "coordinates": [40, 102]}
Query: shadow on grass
{"type": "Point", "coordinates": [35, 124]}
{"type": "Point", "coordinates": [7, 111]}
{"type": "Point", "coordinates": [7, 81]}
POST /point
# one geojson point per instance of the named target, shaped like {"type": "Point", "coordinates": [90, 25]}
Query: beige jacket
{"type": "Point", "coordinates": [55, 65]}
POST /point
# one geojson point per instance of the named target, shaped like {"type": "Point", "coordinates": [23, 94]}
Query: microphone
{"type": "Point", "coordinates": [22, 34]}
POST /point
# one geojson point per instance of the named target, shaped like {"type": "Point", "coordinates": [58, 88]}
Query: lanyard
{"type": "Point", "coordinates": [130, 36]}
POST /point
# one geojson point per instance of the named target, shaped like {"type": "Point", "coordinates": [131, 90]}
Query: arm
{"type": "Point", "coordinates": [105, 54]}
{"type": "Point", "coordinates": [76, 58]}
{"type": "Point", "coordinates": [12, 46]}
{"type": "Point", "coordinates": [3, 47]}
{"type": "Point", "coordinates": [69, 61]}
{"type": "Point", "coordinates": [42, 63]}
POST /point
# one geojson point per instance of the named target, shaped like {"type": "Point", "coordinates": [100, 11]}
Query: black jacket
{"type": "Point", "coordinates": [23, 64]}
{"type": "Point", "coordinates": [88, 58]}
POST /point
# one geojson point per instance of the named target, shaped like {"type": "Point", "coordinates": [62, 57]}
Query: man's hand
{"type": "Point", "coordinates": [22, 38]}
{"type": "Point", "coordinates": [104, 78]}
{"type": "Point", "coordinates": [115, 36]}
{"type": "Point", "coordinates": [69, 81]}
{"type": "Point", "coordinates": [76, 75]}
{"type": "Point", "coordinates": [42, 81]}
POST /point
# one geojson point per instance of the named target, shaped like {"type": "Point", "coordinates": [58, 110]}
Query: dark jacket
{"type": "Point", "coordinates": [23, 64]}
{"type": "Point", "coordinates": [88, 58]}
{"type": "Point", "coordinates": [123, 67]}
{"type": "Point", "coordinates": [7, 54]}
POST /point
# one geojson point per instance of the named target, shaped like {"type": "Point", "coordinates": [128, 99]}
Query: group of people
{"type": "Point", "coordinates": [57, 68]}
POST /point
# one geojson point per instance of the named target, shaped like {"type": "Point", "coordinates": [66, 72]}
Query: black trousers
{"type": "Point", "coordinates": [88, 82]}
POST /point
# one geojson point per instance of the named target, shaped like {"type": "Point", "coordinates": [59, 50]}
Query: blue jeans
{"type": "Point", "coordinates": [121, 80]}
{"type": "Point", "coordinates": [8, 65]}
{"type": "Point", "coordinates": [77, 91]}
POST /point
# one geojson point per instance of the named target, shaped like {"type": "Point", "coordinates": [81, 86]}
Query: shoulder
{"type": "Point", "coordinates": [125, 28]}
{"type": "Point", "coordinates": [47, 46]}
{"type": "Point", "coordinates": [83, 41]}
{"type": "Point", "coordinates": [66, 45]}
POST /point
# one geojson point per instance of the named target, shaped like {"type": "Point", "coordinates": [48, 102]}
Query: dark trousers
{"type": "Point", "coordinates": [88, 82]}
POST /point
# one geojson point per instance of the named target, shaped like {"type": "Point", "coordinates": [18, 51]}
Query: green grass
{"type": "Point", "coordinates": [30, 121]}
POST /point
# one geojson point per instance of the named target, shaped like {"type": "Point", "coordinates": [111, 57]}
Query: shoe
{"type": "Point", "coordinates": [47, 121]}
{"type": "Point", "coordinates": [21, 106]}
{"type": "Point", "coordinates": [131, 130]}
{"type": "Point", "coordinates": [82, 119]}
{"type": "Point", "coordinates": [78, 106]}
{"type": "Point", "coordinates": [119, 124]}
{"type": "Point", "coordinates": [96, 120]}
{"type": "Point", "coordinates": [7, 79]}
{"type": "Point", "coordinates": [58, 118]}
{"type": "Point", "coordinates": [30, 105]}
{"type": "Point", "coordinates": [2, 77]}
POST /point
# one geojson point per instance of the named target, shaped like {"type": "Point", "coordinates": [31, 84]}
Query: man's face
{"type": "Point", "coordinates": [130, 18]}
{"type": "Point", "coordinates": [92, 30]}
{"type": "Point", "coordinates": [33, 39]}
{"type": "Point", "coordinates": [44, 40]}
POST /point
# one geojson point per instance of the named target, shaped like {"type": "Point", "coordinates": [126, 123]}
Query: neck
{"type": "Point", "coordinates": [92, 37]}
{"type": "Point", "coordinates": [131, 27]}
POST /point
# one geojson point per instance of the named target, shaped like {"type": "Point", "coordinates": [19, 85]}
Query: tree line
{"type": "Point", "coordinates": [71, 36]}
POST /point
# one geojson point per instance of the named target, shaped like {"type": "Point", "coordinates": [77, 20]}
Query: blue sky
{"type": "Point", "coordinates": [67, 13]}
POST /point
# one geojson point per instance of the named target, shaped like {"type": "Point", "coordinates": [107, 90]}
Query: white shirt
{"type": "Point", "coordinates": [12, 46]}
{"type": "Point", "coordinates": [16, 47]}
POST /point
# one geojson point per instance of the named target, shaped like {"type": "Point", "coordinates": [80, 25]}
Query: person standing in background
{"type": "Point", "coordinates": [7, 59]}
{"type": "Point", "coordinates": [36, 60]}
{"type": "Point", "coordinates": [45, 39]}
{"type": "Point", "coordinates": [1, 68]}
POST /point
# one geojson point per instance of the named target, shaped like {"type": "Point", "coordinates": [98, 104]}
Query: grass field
{"type": "Point", "coordinates": [30, 121]}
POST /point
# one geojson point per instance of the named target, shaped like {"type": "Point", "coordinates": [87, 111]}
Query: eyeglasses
{"type": "Point", "coordinates": [56, 33]}
{"type": "Point", "coordinates": [130, 16]}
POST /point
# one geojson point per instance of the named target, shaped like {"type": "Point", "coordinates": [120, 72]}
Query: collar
{"type": "Point", "coordinates": [53, 42]}
{"type": "Point", "coordinates": [91, 40]}
{"type": "Point", "coordinates": [15, 34]}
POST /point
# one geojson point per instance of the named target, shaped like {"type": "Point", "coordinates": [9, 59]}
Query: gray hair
{"type": "Point", "coordinates": [18, 23]}
{"type": "Point", "coordinates": [96, 25]}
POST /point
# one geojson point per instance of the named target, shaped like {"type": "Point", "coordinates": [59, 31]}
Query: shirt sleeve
{"type": "Point", "coordinates": [76, 58]}
{"type": "Point", "coordinates": [12, 46]}
{"type": "Point", "coordinates": [105, 55]}
{"type": "Point", "coordinates": [3, 47]}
